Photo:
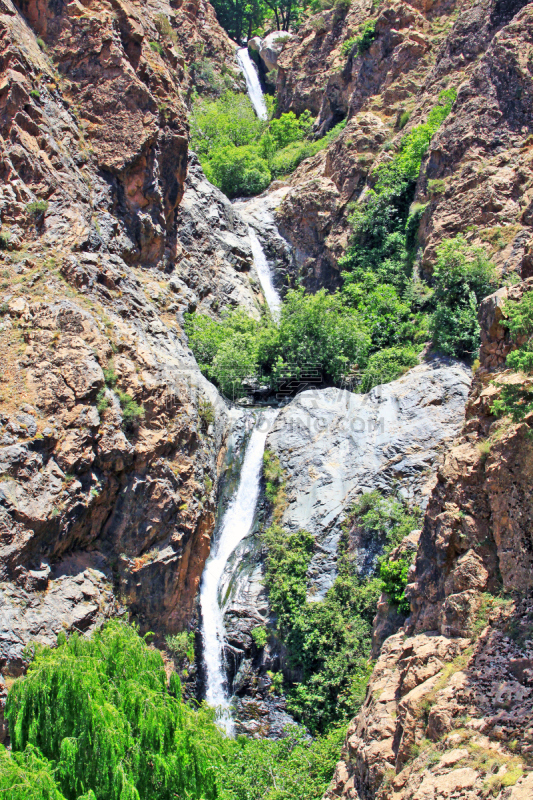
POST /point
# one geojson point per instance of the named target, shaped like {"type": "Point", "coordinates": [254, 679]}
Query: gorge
{"type": "Point", "coordinates": [266, 313]}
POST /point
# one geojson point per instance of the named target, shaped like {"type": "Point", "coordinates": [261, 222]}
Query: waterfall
{"type": "Point", "coordinates": [253, 86]}
{"type": "Point", "coordinates": [265, 276]}
{"type": "Point", "coordinates": [236, 524]}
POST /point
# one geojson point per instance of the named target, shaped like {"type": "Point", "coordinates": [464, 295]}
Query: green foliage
{"type": "Point", "coordinates": [206, 412]}
{"type": "Point", "coordinates": [463, 276]}
{"type": "Point", "coordinates": [110, 376]}
{"type": "Point", "coordinates": [5, 236]}
{"type": "Point", "coordinates": [387, 365]}
{"type": "Point", "coordinates": [35, 93]}
{"type": "Point", "coordinates": [514, 400]}
{"type": "Point", "coordinates": [132, 412]}
{"type": "Point", "coordinates": [100, 710]}
{"type": "Point", "coordinates": [27, 776]}
{"type": "Point", "coordinates": [383, 232]}
{"type": "Point", "coordinates": [348, 45]}
{"type": "Point", "coordinates": [260, 636]}
{"type": "Point", "coordinates": [387, 519]}
{"type": "Point", "coordinates": [102, 402]}
{"type": "Point", "coordinates": [94, 719]}
{"type": "Point", "coordinates": [436, 187]}
{"type": "Point", "coordinates": [156, 48]}
{"type": "Point", "coordinates": [368, 34]}
{"type": "Point", "coordinates": [327, 642]}
{"type": "Point", "coordinates": [394, 580]}
{"type": "Point", "coordinates": [181, 645]}
{"type": "Point", "coordinates": [292, 768]}
{"type": "Point", "coordinates": [273, 474]}
{"type": "Point", "coordinates": [313, 329]}
{"type": "Point", "coordinates": [241, 153]}
{"type": "Point", "coordinates": [37, 208]}
{"type": "Point", "coordinates": [520, 323]}
{"type": "Point", "coordinates": [41, 44]}
{"type": "Point", "coordinates": [238, 171]}
{"type": "Point", "coordinates": [404, 119]}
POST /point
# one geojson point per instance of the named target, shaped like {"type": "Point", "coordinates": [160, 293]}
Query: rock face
{"type": "Point", "coordinates": [334, 445]}
{"type": "Point", "coordinates": [456, 681]}
{"type": "Point", "coordinates": [109, 435]}
{"type": "Point", "coordinates": [476, 176]}
{"type": "Point", "coordinates": [216, 268]}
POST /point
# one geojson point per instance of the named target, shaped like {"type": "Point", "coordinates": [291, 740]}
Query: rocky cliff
{"type": "Point", "coordinates": [476, 176]}
{"type": "Point", "coordinates": [449, 710]}
{"type": "Point", "coordinates": [110, 437]}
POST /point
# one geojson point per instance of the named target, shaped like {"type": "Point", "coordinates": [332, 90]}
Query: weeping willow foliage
{"type": "Point", "coordinates": [99, 711]}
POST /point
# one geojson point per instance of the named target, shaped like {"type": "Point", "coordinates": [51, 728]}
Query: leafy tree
{"type": "Point", "coordinates": [381, 222]}
{"type": "Point", "coordinates": [463, 276]}
{"type": "Point", "coordinates": [100, 709]}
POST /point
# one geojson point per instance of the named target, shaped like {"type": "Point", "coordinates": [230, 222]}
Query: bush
{"type": "Point", "coordinates": [463, 276]}
{"type": "Point", "coordinates": [156, 48]}
{"type": "Point", "coordinates": [238, 171]}
{"type": "Point", "coordinates": [100, 710]}
{"type": "Point", "coordinates": [37, 208]}
{"type": "Point", "coordinates": [404, 119]}
{"type": "Point", "coordinates": [35, 93]}
{"type": "Point", "coordinates": [383, 241]}
{"type": "Point", "coordinates": [388, 365]}
{"type": "Point", "coordinates": [520, 323]}
{"type": "Point", "coordinates": [260, 636]}
{"type": "Point", "coordinates": [132, 412]}
{"type": "Point", "coordinates": [181, 645]}
{"type": "Point", "coordinates": [367, 36]}
{"type": "Point", "coordinates": [393, 575]}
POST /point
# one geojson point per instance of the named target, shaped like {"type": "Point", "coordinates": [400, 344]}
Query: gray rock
{"type": "Point", "coordinates": [214, 268]}
{"type": "Point", "coordinates": [271, 47]}
{"type": "Point", "coordinates": [333, 445]}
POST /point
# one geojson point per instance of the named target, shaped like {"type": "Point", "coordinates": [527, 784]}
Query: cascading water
{"type": "Point", "coordinates": [235, 526]}
{"type": "Point", "coordinates": [255, 93]}
{"type": "Point", "coordinates": [265, 276]}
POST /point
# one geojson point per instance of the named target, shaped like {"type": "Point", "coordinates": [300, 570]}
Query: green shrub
{"type": "Point", "coordinates": [260, 636]}
{"type": "Point", "coordinates": [367, 36]}
{"type": "Point", "coordinates": [100, 710]}
{"type": "Point", "coordinates": [181, 645]}
{"type": "Point", "coordinates": [292, 768]}
{"type": "Point", "coordinates": [238, 171]}
{"type": "Point", "coordinates": [156, 48]}
{"type": "Point", "coordinates": [393, 575]}
{"type": "Point", "coordinates": [41, 44]}
{"type": "Point", "coordinates": [132, 412]}
{"type": "Point", "coordinates": [102, 402]}
{"type": "Point", "coordinates": [35, 93]}
{"type": "Point", "coordinates": [5, 236]}
{"type": "Point", "coordinates": [37, 208]}
{"type": "Point", "coordinates": [463, 276]}
{"type": "Point", "coordinates": [514, 400]}
{"type": "Point", "coordinates": [341, 8]}
{"type": "Point", "coordinates": [384, 234]}
{"type": "Point", "coordinates": [404, 119]}
{"type": "Point", "coordinates": [436, 187]}
{"type": "Point", "coordinates": [520, 323]}
{"type": "Point", "coordinates": [206, 412]}
{"type": "Point", "coordinates": [27, 776]}
{"type": "Point", "coordinates": [388, 365]}
{"type": "Point", "coordinates": [110, 376]}
{"type": "Point", "coordinates": [348, 45]}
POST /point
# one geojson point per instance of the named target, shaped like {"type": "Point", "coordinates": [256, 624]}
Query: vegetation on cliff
{"type": "Point", "coordinates": [96, 719]}
{"type": "Point", "coordinates": [328, 642]}
{"type": "Point", "coordinates": [372, 330]}
{"type": "Point", "coordinates": [241, 153]}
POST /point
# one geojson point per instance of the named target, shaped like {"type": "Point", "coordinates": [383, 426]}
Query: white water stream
{"type": "Point", "coordinates": [253, 86]}
{"type": "Point", "coordinates": [236, 524]}
{"type": "Point", "coordinates": [265, 276]}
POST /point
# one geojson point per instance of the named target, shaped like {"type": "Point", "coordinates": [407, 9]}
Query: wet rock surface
{"type": "Point", "coordinates": [334, 444]}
